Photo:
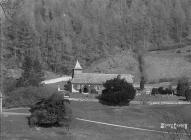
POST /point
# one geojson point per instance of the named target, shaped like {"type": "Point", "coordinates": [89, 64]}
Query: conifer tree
{"type": "Point", "coordinates": [32, 73]}
{"type": "Point", "coordinates": [27, 69]}
{"type": "Point", "coordinates": [37, 74]}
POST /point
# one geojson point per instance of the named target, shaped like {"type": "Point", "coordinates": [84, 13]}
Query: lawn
{"type": "Point", "coordinates": [158, 97]}
{"type": "Point", "coordinates": [16, 128]}
{"type": "Point", "coordinates": [149, 117]}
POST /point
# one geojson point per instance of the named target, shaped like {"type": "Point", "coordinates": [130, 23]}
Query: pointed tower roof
{"type": "Point", "coordinates": [77, 66]}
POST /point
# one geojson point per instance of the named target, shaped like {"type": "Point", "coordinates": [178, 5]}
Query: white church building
{"type": "Point", "coordinates": [81, 81]}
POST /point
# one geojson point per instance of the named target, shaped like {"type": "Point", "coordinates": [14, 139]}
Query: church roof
{"type": "Point", "coordinates": [77, 66]}
{"type": "Point", "coordinates": [56, 80]}
{"type": "Point", "coordinates": [98, 78]}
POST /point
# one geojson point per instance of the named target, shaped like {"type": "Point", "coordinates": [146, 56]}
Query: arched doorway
{"type": "Point", "coordinates": [85, 89]}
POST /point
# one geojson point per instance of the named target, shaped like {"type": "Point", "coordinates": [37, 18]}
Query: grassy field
{"type": "Point", "coordinates": [158, 97]}
{"type": "Point", "coordinates": [161, 66]}
{"type": "Point", "coordinates": [149, 117]}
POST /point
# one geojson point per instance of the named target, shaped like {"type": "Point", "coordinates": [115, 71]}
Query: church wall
{"type": "Point", "coordinates": [77, 87]}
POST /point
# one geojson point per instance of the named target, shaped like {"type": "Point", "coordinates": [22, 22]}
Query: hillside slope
{"type": "Point", "coordinates": [58, 32]}
{"type": "Point", "coordinates": [122, 63]}
{"type": "Point", "coordinates": [159, 65]}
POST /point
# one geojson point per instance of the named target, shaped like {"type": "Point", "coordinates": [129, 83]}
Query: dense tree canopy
{"type": "Point", "coordinates": [32, 73]}
{"type": "Point", "coordinates": [56, 32]}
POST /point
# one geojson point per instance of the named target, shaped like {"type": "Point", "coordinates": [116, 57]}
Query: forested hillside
{"type": "Point", "coordinates": [58, 32]}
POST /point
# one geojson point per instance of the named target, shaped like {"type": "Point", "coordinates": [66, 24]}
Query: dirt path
{"type": "Point", "coordinates": [130, 127]}
{"type": "Point", "coordinates": [15, 113]}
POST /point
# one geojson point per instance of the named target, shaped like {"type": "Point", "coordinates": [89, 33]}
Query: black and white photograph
{"type": "Point", "coordinates": [95, 69]}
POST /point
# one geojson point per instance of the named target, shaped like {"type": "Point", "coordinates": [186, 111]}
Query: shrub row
{"type": "Point", "coordinates": [183, 89]}
{"type": "Point", "coordinates": [161, 90]}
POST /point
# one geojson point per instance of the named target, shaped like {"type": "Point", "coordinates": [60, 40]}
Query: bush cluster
{"type": "Point", "coordinates": [117, 91]}
{"type": "Point", "coordinates": [50, 111]}
{"type": "Point", "coordinates": [182, 86]}
{"type": "Point", "coordinates": [154, 91]}
{"type": "Point", "coordinates": [26, 96]}
{"type": "Point", "coordinates": [162, 91]}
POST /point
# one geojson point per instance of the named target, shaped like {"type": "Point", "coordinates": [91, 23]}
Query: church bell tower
{"type": "Point", "coordinates": [77, 69]}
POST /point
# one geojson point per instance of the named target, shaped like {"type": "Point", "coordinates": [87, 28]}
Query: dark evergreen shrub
{"type": "Point", "coordinates": [68, 86]}
{"type": "Point", "coordinates": [168, 91]}
{"type": "Point", "coordinates": [161, 90]}
{"type": "Point", "coordinates": [117, 92]}
{"type": "Point", "coordinates": [154, 91]}
{"type": "Point", "coordinates": [182, 86]}
{"type": "Point", "coordinates": [50, 111]}
{"type": "Point", "coordinates": [188, 94]}
{"type": "Point", "coordinates": [80, 90]}
{"type": "Point", "coordinates": [165, 91]}
{"type": "Point", "coordinates": [142, 83]}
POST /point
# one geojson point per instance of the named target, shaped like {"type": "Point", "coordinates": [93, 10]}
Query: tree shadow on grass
{"type": "Point", "coordinates": [126, 103]}
{"type": "Point", "coordinates": [66, 124]}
